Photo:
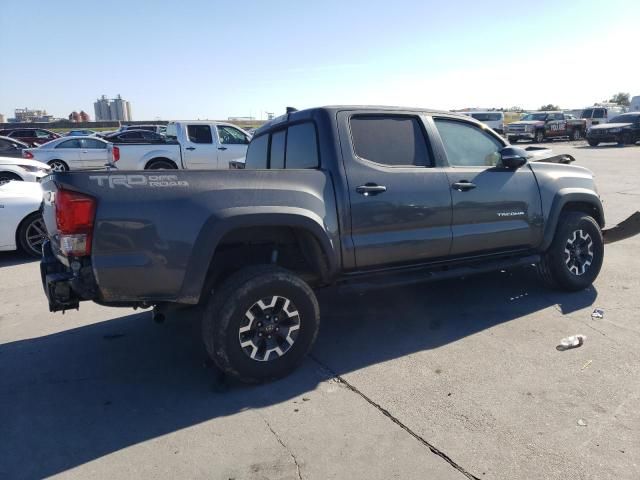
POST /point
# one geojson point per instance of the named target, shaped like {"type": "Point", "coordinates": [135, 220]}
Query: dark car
{"type": "Point", "coordinates": [623, 130]}
{"type": "Point", "coordinates": [10, 147]}
{"type": "Point", "coordinates": [31, 136]}
{"type": "Point", "coordinates": [135, 136]}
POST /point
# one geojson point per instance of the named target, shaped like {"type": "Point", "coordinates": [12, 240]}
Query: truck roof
{"type": "Point", "coordinates": [333, 109]}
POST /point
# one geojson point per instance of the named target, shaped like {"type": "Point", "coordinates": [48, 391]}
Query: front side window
{"type": "Point", "coordinates": [231, 136]}
{"type": "Point", "coordinates": [598, 113]}
{"type": "Point", "coordinates": [199, 133]}
{"type": "Point", "coordinates": [257, 153]}
{"type": "Point", "coordinates": [22, 134]}
{"type": "Point", "coordinates": [74, 143]}
{"type": "Point", "coordinates": [467, 145]}
{"type": "Point", "coordinates": [393, 140]}
{"type": "Point", "coordinates": [93, 143]}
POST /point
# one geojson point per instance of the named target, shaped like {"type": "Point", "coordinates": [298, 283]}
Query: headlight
{"type": "Point", "coordinates": [615, 130]}
{"type": "Point", "coordinates": [31, 168]}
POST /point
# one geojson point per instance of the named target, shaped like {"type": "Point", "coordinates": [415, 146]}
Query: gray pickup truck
{"type": "Point", "coordinates": [353, 197]}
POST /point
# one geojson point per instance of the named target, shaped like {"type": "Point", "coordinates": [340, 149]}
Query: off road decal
{"type": "Point", "coordinates": [138, 181]}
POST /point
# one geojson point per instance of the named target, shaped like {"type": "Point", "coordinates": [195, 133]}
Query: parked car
{"type": "Point", "coordinates": [135, 136]}
{"type": "Point", "coordinates": [71, 153]}
{"type": "Point", "coordinates": [541, 126]}
{"type": "Point", "coordinates": [21, 225]}
{"type": "Point", "coordinates": [80, 133]}
{"type": "Point", "coordinates": [623, 129]}
{"type": "Point", "coordinates": [21, 169]}
{"type": "Point", "coordinates": [343, 196]}
{"type": "Point", "coordinates": [10, 147]}
{"type": "Point", "coordinates": [199, 145]}
{"type": "Point", "coordinates": [30, 136]}
{"type": "Point", "coordinates": [491, 119]}
{"type": "Point", "coordinates": [597, 115]}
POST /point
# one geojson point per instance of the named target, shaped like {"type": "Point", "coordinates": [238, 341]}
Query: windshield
{"type": "Point", "coordinates": [624, 119]}
{"type": "Point", "coordinates": [587, 113]}
{"type": "Point", "coordinates": [534, 116]}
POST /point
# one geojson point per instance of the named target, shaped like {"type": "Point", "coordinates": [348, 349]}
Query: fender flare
{"type": "Point", "coordinates": [228, 220]}
{"type": "Point", "coordinates": [560, 200]}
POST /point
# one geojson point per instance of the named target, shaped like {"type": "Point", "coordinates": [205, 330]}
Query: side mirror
{"type": "Point", "coordinates": [513, 157]}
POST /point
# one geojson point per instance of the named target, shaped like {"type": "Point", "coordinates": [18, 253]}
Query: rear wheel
{"type": "Point", "coordinates": [259, 325]}
{"type": "Point", "coordinates": [576, 134]}
{"type": "Point", "coordinates": [31, 234]}
{"type": "Point", "coordinates": [574, 258]}
{"type": "Point", "coordinates": [161, 165]}
{"type": "Point", "coordinates": [625, 140]}
{"type": "Point", "coordinates": [8, 176]}
{"type": "Point", "coordinates": [593, 143]}
{"type": "Point", "coordinates": [58, 166]}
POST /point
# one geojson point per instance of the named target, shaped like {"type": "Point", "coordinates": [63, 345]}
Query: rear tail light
{"type": "Point", "coordinates": [27, 154]}
{"type": "Point", "coordinates": [116, 154]}
{"type": "Point", "coordinates": [74, 218]}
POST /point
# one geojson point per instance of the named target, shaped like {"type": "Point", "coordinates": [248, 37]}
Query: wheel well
{"type": "Point", "coordinates": [57, 160]}
{"type": "Point", "coordinates": [584, 207]}
{"type": "Point", "coordinates": [160, 159]}
{"type": "Point", "coordinates": [295, 249]}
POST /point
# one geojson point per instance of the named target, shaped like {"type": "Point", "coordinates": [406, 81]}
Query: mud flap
{"type": "Point", "coordinates": [625, 229]}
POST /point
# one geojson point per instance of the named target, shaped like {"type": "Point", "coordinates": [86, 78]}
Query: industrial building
{"type": "Point", "coordinates": [112, 109]}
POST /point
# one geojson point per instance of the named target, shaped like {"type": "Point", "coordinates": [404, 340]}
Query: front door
{"type": "Point", "coordinates": [400, 201]}
{"type": "Point", "coordinates": [200, 149]}
{"type": "Point", "coordinates": [494, 209]}
{"type": "Point", "coordinates": [232, 145]}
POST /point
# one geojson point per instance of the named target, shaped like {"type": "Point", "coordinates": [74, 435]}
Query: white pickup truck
{"type": "Point", "coordinates": [197, 145]}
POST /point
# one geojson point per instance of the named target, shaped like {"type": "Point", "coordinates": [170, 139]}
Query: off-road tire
{"type": "Point", "coordinates": [538, 136]}
{"type": "Point", "coordinates": [225, 314]}
{"type": "Point", "coordinates": [593, 143]}
{"type": "Point", "coordinates": [553, 267]}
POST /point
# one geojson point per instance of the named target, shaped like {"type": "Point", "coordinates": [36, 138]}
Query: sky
{"type": "Point", "coordinates": [213, 59]}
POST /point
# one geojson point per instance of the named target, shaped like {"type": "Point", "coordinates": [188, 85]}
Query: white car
{"type": "Point", "coordinates": [21, 169]}
{"type": "Point", "coordinates": [71, 153]}
{"type": "Point", "coordinates": [21, 225]}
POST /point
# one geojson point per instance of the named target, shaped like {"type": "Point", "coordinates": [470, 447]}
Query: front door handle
{"type": "Point", "coordinates": [463, 185]}
{"type": "Point", "coordinates": [222, 148]}
{"type": "Point", "coordinates": [369, 189]}
{"type": "Point", "coordinates": [190, 148]}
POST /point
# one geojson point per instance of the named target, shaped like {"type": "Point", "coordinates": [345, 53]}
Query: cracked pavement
{"type": "Point", "coordinates": [454, 380]}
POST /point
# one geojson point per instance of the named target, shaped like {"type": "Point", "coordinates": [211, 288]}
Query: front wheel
{"type": "Point", "coordinates": [32, 234]}
{"type": "Point", "coordinates": [576, 134]}
{"type": "Point", "coordinates": [593, 143]}
{"type": "Point", "coordinates": [539, 136]}
{"type": "Point", "coordinates": [260, 323]}
{"type": "Point", "coordinates": [573, 260]}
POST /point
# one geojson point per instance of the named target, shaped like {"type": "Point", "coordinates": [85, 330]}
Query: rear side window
{"type": "Point", "coordinates": [277, 149]}
{"type": "Point", "coordinates": [199, 133]}
{"type": "Point", "coordinates": [74, 143]}
{"type": "Point", "coordinates": [257, 153]}
{"type": "Point", "coordinates": [390, 140]}
{"type": "Point", "coordinates": [302, 146]}
{"type": "Point", "coordinates": [93, 143]}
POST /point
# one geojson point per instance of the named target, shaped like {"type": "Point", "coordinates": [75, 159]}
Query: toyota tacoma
{"type": "Point", "coordinates": [353, 197]}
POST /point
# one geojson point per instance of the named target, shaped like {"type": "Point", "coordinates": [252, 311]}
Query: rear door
{"type": "Point", "coordinates": [69, 152]}
{"type": "Point", "coordinates": [200, 148]}
{"type": "Point", "coordinates": [494, 209]}
{"type": "Point", "coordinates": [232, 145]}
{"type": "Point", "coordinates": [400, 200]}
{"type": "Point", "coordinates": [93, 153]}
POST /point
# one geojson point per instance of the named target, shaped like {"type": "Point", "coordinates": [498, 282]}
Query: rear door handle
{"type": "Point", "coordinates": [190, 148]}
{"type": "Point", "coordinates": [369, 189]}
{"type": "Point", "coordinates": [222, 148]}
{"type": "Point", "coordinates": [463, 185]}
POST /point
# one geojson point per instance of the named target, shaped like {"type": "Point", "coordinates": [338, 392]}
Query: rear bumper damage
{"type": "Point", "coordinates": [65, 287]}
